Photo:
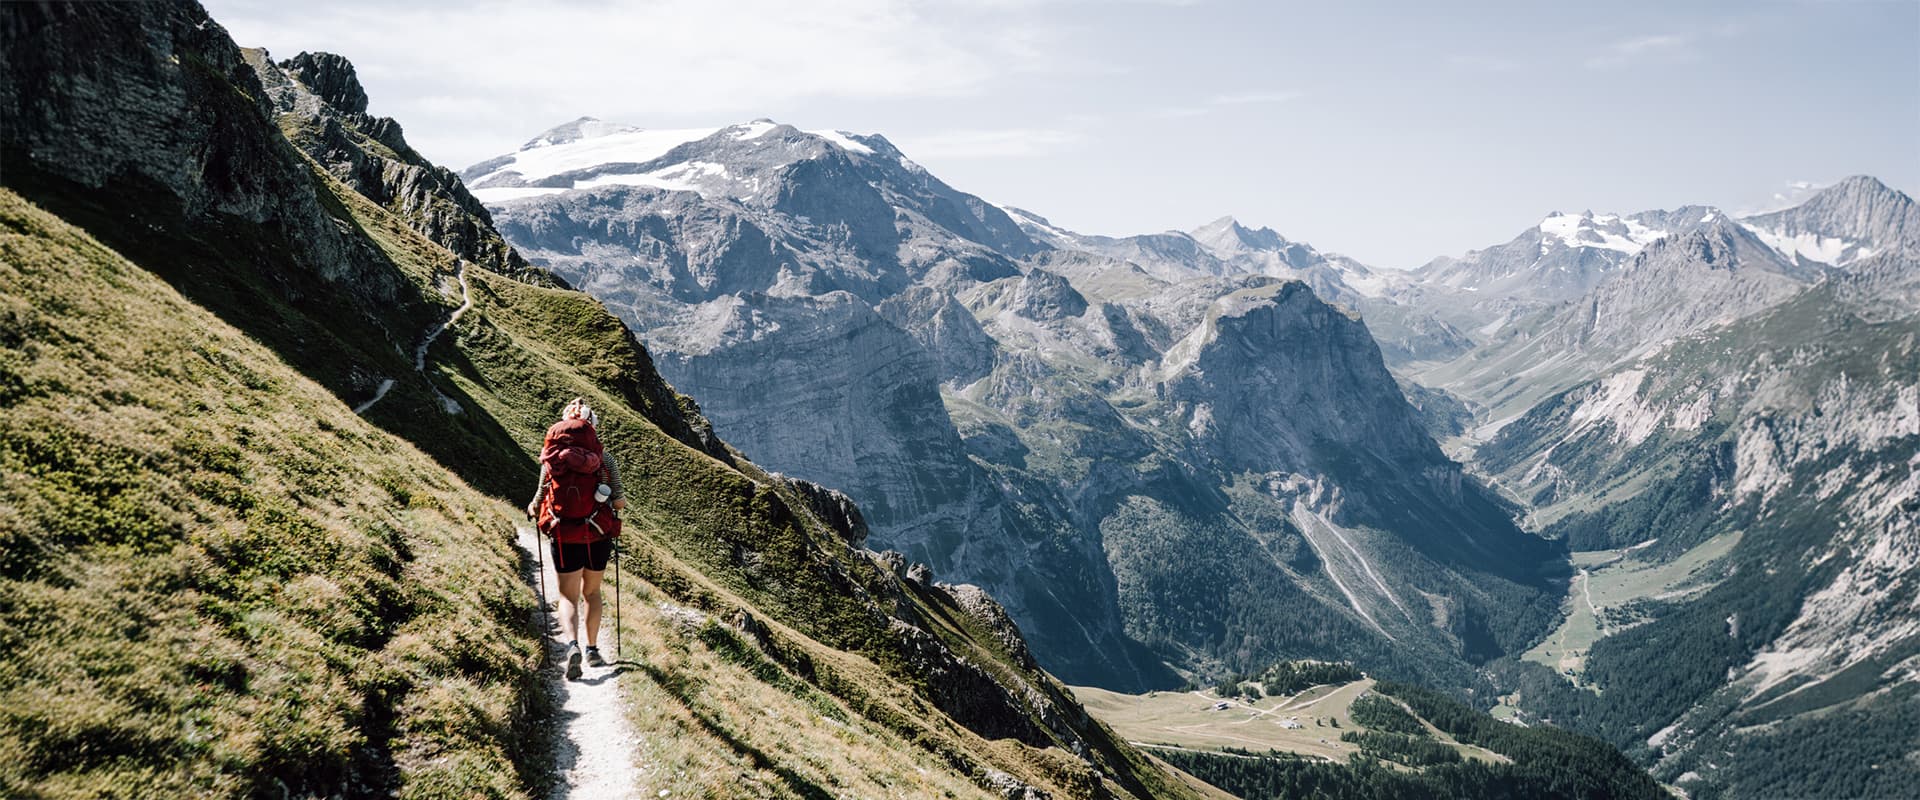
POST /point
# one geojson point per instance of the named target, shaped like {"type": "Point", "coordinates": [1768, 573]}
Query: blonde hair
{"type": "Point", "coordinates": [578, 409]}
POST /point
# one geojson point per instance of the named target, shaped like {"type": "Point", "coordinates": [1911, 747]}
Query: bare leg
{"type": "Point", "coordinates": [591, 589]}
{"type": "Point", "coordinates": [570, 604]}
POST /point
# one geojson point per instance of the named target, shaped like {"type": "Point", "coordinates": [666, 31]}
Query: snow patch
{"type": "Point", "coordinates": [627, 146]}
{"type": "Point", "coordinates": [1606, 231]}
{"type": "Point", "coordinates": [845, 141]}
{"type": "Point", "coordinates": [752, 130]}
{"type": "Point", "coordinates": [1828, 250]}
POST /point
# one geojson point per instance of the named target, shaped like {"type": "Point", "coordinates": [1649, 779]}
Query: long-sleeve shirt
{"type": "Point", "coordinates": [609, 475]}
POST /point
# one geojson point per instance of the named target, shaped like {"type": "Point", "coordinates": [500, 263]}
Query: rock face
{"type": "Point", "coordinates": [825, 387]}
{"type": "Point", "coordinates": [1057, 418]}
{"type": "Point", "coordinates": [118, 83]}
{"type": "Point", "coordinates": [1275, 378]}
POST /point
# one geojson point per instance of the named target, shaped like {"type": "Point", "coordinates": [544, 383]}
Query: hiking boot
{"type": "Point", "coordinates": [573, 661]}
{"type": "Point", "coordinates": [593, 657]}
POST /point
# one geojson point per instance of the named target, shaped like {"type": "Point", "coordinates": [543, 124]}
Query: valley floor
{"type": "Point", "coordinates": [1599, 597]}
{"type": "Point", "coordinates": [1194, 721]}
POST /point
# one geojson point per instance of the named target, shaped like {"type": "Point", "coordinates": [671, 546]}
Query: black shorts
{"type": "Point", "coordinates": [575, 557]}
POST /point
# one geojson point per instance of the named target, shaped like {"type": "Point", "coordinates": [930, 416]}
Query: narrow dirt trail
{"type": "Point", "coordinates": [466, 302]}
{"type": "Point", "coordinates": [420, 351]}
{"type": "Point", "coordinates": [1586, 588]}
{"type": "Point", "coordinates": [594, 758]}
{"type": "Point", "coordinates": [378, 395]}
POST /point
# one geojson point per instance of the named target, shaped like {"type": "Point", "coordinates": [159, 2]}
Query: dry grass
{"type": "Point", "coordinates": [1187, 719]}
{"type": "Point", "coordinates": [218, 581]}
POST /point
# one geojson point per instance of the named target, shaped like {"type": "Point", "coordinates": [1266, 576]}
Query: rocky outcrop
{"type": "Point", "coordinates": [1275, 379]}
{"type": "Point", "coordinates": [962, 349]}
{"type": "Point", "coordinates": [988, 613]}
{"type": "Point", "coordinates": [83, 104]}
{"type": "Point", "coordinates": [833, 508]}
{"type": "Point", "coordinates": [320, 97]}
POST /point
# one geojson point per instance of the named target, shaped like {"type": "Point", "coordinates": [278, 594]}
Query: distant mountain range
{"type": "Point", "coordinates": [1194, 452]}
{"type": "Point", "coordinates": [1070, 421]}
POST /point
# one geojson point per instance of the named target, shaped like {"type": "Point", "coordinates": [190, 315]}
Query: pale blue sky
{"type": "Point", "coordinates": [1393, 132]}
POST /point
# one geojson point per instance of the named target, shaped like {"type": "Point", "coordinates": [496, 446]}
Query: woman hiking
{"type": "Point", "coordinates": [579, 491]}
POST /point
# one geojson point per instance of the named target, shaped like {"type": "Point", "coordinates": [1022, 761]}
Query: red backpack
{"type": "Point", "coordinates": [572, 456]}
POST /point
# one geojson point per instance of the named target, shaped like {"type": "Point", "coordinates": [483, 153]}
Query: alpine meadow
{"type": "Point", "coordinates": [681, 450]}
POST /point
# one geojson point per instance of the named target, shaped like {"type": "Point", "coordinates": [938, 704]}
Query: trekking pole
{"type": "Point", "coordinates": [616, 598]}
{"type": "Point", "coordinates": [540, 564]}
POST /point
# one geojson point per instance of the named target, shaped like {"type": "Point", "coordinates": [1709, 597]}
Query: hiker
{"type": "Point", "coordinates": [579, 491]}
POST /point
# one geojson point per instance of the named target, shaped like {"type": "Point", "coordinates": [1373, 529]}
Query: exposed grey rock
{"type": "Point", "coordinates": [83, 103]}
{"type": "Point", "coordinates": [834, 508]}
{"type": "Point", "coordinates": [985, 610]}
{"type": "Point", "coordinates": [321, 97]}
{"type": "Point", "coordinates": [892, 561]}
{"type": "Point", "coordinates": [332, 78]}
{"type": "Point", "coordinates": [961, 348]}
{"type": "Point", "coordinates": [1275, 379]}
{"type": "Point", "coordinates": [1009, 787]}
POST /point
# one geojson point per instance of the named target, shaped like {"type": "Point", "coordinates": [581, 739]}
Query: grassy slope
{"type": "Point", "coordinates": [216, 578]}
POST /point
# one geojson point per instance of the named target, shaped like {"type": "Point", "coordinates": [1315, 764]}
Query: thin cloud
{"type": "Point", "coordinates": [1250, 98]}
{"type": "Point", "coordinates": [1639, 48]}
{"type": "Point", "coordinates": [1482, 63]}
{"type": "Point", "coordinates": [1000, 143]}
{"type": "Point", "coordinates": [503, 66]}
{"type": "Point", "coordinates": [1218, 101]}
{"type": "Point", "coordinates": [1792, 194]}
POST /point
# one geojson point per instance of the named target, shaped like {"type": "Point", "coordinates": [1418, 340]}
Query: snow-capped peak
{"type": "Point", "coordinates": [569, 132]}
{"type": "Point", "coordinates": [845, 140]}
{"type": "Point", "coordinates": [587, 152]}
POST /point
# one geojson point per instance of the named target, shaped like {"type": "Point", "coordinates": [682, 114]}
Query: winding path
{"type": "Point", "coordinates": [595, 757]}
{"type": "Point", "coordinates": [1586, 588]}
{"type": "Point", "coordinates": [466, 302]}
{"type": "Point", "coordinates": [420, 352]}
